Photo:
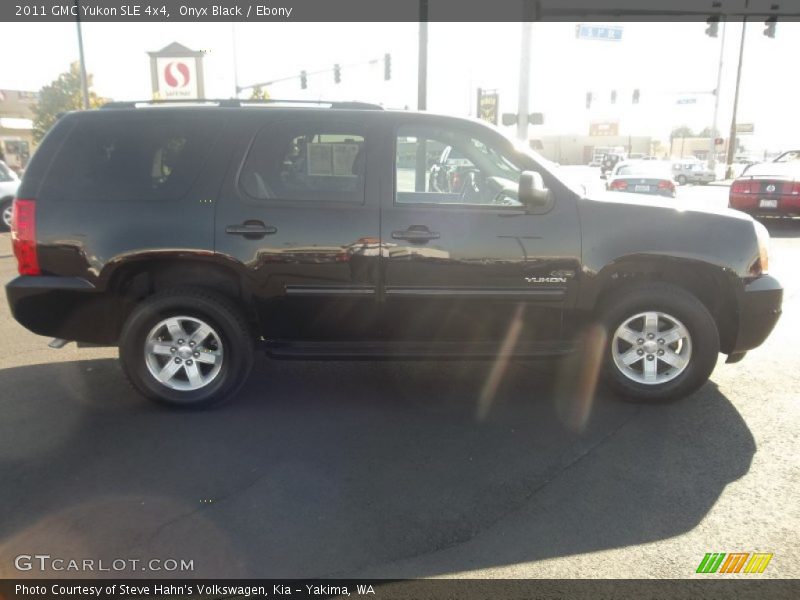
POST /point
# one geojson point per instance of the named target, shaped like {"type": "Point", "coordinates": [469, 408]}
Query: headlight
{"type": "Point", "coordinates": [761, 266]}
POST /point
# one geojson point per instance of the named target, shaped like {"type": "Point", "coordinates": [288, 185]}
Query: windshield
{"type": "Point", "coordinates": [789, 156]}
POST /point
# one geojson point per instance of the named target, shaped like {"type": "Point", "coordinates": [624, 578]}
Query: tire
{"type": "Point", "coordinates": [227, 351]}
{"type": "Point", "coordinates": [5, 214]}
{"type": "Point", "coordinates": [677, 311]}
{"type": "Point", "coordinates": [681, 179]}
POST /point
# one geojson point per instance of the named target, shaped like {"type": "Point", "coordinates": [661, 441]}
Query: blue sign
{"type": "Point", "coordinates": [598, 32]}
{"type": "Point", "coordinates": [687, 101]}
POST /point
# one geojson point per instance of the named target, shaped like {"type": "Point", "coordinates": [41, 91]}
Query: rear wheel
{"type": "Point", "coordinates": [662, 342]}
{"type": "Point", "coordinates": [186, 347]}
{"type": "Point", "coordinates": [681, 179]}
{"type": "Point", "coordinates": [5, 211]}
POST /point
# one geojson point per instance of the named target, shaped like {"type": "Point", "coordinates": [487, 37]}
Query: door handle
{"type": "Point", "coordinates": [251, 229]}
{"type": "Point", "coordinates": [416, 234]}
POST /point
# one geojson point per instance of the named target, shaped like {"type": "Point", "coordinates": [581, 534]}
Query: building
{"type": "Point", "coordinates": [579, 149]}
{"type": "Point", "coordinates": [16, 127]}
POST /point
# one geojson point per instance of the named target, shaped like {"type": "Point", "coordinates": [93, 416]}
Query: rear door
{"type": "Point", "coordinates": [463, 260]}
{"type": "Point", "coordinates": [300, 217]}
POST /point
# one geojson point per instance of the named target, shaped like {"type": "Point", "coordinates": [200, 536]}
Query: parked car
{"type": "Point", "coordinates": [642, 177]}
{"type": "Point", "coordinates": [9, 182]}
{"type": "Point", "coordinates": [692, 171]}
{"type": "Point", "coordinates": [768, 189]}
{"type": "Point", "coordinates": [188, 236]}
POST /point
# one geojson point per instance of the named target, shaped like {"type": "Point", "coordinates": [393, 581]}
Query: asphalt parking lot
{"type": "Point", "coordinates": [390, 470]}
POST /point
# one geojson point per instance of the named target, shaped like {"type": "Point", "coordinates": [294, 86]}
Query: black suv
{"type": "Point", "coordinates": [190, 235]}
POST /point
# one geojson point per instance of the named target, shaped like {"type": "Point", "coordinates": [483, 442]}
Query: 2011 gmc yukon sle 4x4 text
{"type": "Point", "coordinates": [190, 235]}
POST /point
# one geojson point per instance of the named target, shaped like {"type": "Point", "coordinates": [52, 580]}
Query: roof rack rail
{"type": "Point", "coordinates": [239, 102]}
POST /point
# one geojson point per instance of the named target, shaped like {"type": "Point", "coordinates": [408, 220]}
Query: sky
{"type": "Point", "coordinates": [665, 61]}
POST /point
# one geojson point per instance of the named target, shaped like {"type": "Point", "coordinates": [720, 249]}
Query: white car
{"type": "Point", "coordinates": [9, 182]}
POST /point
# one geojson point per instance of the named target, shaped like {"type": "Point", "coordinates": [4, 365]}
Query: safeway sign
{"type": "Point", "coordinates": [177, 73]}
{"type": "Point", "coordinates": [177, 78]}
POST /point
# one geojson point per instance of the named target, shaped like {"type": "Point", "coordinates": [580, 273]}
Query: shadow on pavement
{"type": "Point", "coordinates": [336, 468]}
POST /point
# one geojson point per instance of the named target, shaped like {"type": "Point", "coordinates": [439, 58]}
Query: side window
{"type": "Point", "coordinates": [447, 167]}
{"type": "Point", "coordinates": [151, 158]}
{"type": "Point", "coordinates": [306, 162]}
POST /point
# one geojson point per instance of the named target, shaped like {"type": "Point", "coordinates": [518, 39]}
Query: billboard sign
{"type": "Point", "coordinates": [488, 101]}
{"type": "Point", "coordinates": [602, 128]}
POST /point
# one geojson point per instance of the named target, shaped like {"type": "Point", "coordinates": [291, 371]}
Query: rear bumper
{"type": "Point", "coordinates": [759, 311]}
{"type": "Point", "coordinates": [787, 205]}
{"type": "Point", "coordinates": [64, 307]}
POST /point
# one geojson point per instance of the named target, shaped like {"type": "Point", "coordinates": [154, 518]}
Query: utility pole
{"type": "Point", "coordinates": [84, 78]}
{"type": "Point", "coordinates": [421, 159]}
{"type": "Point", "coordinates": [523, 108]}
{"type": "Point", "coordinates": [732, 137]}
{"type": "Point", "coordinates": [235, 61]}
{"type": "Point", "coordinates": [422, 68]}
{"type": "Point", "coordinates": [712, 153]}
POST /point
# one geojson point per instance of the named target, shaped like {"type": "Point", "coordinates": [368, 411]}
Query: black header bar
{"type": "Point", "coordinates": [392, 10]}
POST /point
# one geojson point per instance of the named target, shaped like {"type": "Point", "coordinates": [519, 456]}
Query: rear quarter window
{"type": "Point", "coordinates": [139, 157]}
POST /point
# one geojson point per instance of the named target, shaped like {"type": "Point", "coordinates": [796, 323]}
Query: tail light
{"type": "Point", "coordinates": [791, 188]}
{"type": "Point", "coordinates": [666, 185]}
{"type": "Point", "coordinates": [744, 186]}
{"type": "Point", "coordinates": [618, 184]}
{"type": "Point", "coordinates": [23, 236]}
{"type": "Point", "coordinates": [761, 264]}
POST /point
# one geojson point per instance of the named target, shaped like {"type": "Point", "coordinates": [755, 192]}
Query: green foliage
{"type": "Point", "coordinates": [681, 132]}
{"type": "Point", "coordinates": [259, 94]}
{"type": "Point", "coordinates": [62, 95]}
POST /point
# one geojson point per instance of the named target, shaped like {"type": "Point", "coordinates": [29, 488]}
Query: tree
{"type": "Point", "coordinates": [259, 94]}
{"type": "Point", "coordinates": [709, 132]}
{"type": "Point", "coordinates": [62, 95]}
{"type": "Point", "coordinates": [681, 132]}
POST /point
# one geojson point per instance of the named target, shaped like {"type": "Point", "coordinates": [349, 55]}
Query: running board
{"type": "Point", "coordinates": [393, 350]}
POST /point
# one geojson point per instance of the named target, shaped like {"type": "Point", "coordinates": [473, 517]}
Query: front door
{"type": "Point", "coordinates": [300, 216]}
{"type": "Point", "coordinates": [463, 259]}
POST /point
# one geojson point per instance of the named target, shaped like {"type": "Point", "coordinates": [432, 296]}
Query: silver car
{"type": "Point", "coordinates": [692, 171]}
{"type": "Point", "coordinates": [9, 182]}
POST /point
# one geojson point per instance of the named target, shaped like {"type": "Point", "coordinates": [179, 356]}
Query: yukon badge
{"type": "Point", "coordinates": [546, 279]}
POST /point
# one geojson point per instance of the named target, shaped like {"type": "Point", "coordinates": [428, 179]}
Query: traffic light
{"type": "Point", "coordinates": [337, 74]}
{"type": "Point", "coordinates": [387, 66]}
{"type": "Point", "coordinates": [769, 29]}
{"type": "Point", "coordinates": [713, 26]}
{"type": "Point", "coordinates": [588, 99]}
{"type": "Point", "coordinates": [635, 99]}
{"type": "Point", "coordinates": [613, 96]}
{"type": "Point", "coordinates": [303, 80]}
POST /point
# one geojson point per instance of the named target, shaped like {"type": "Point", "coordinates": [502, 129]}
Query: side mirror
{"type": "Point", "coordinates": [532, 191]}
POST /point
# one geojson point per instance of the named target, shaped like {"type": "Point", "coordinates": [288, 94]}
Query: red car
{"type": "Point", "coordinates": [768, 189]}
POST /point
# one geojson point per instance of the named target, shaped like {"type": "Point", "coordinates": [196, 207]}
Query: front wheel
{"type": "Point", "coordinates": [186, 347]}
{"type": "Point", "coordinates": [662, 342]}
{"type": "Point", "coordinates": [681, 179]}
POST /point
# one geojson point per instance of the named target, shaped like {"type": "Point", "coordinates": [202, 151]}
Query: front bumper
{"type": "Point", "coordinates": [62, 307]}
{"type": "Point", "coordinates": [759, 311]}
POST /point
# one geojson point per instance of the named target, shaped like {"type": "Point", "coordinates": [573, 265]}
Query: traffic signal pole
{"type": "Point", "coordinates": [732, 136]}
{"type": "Point", "coordinates": [712, 153]}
